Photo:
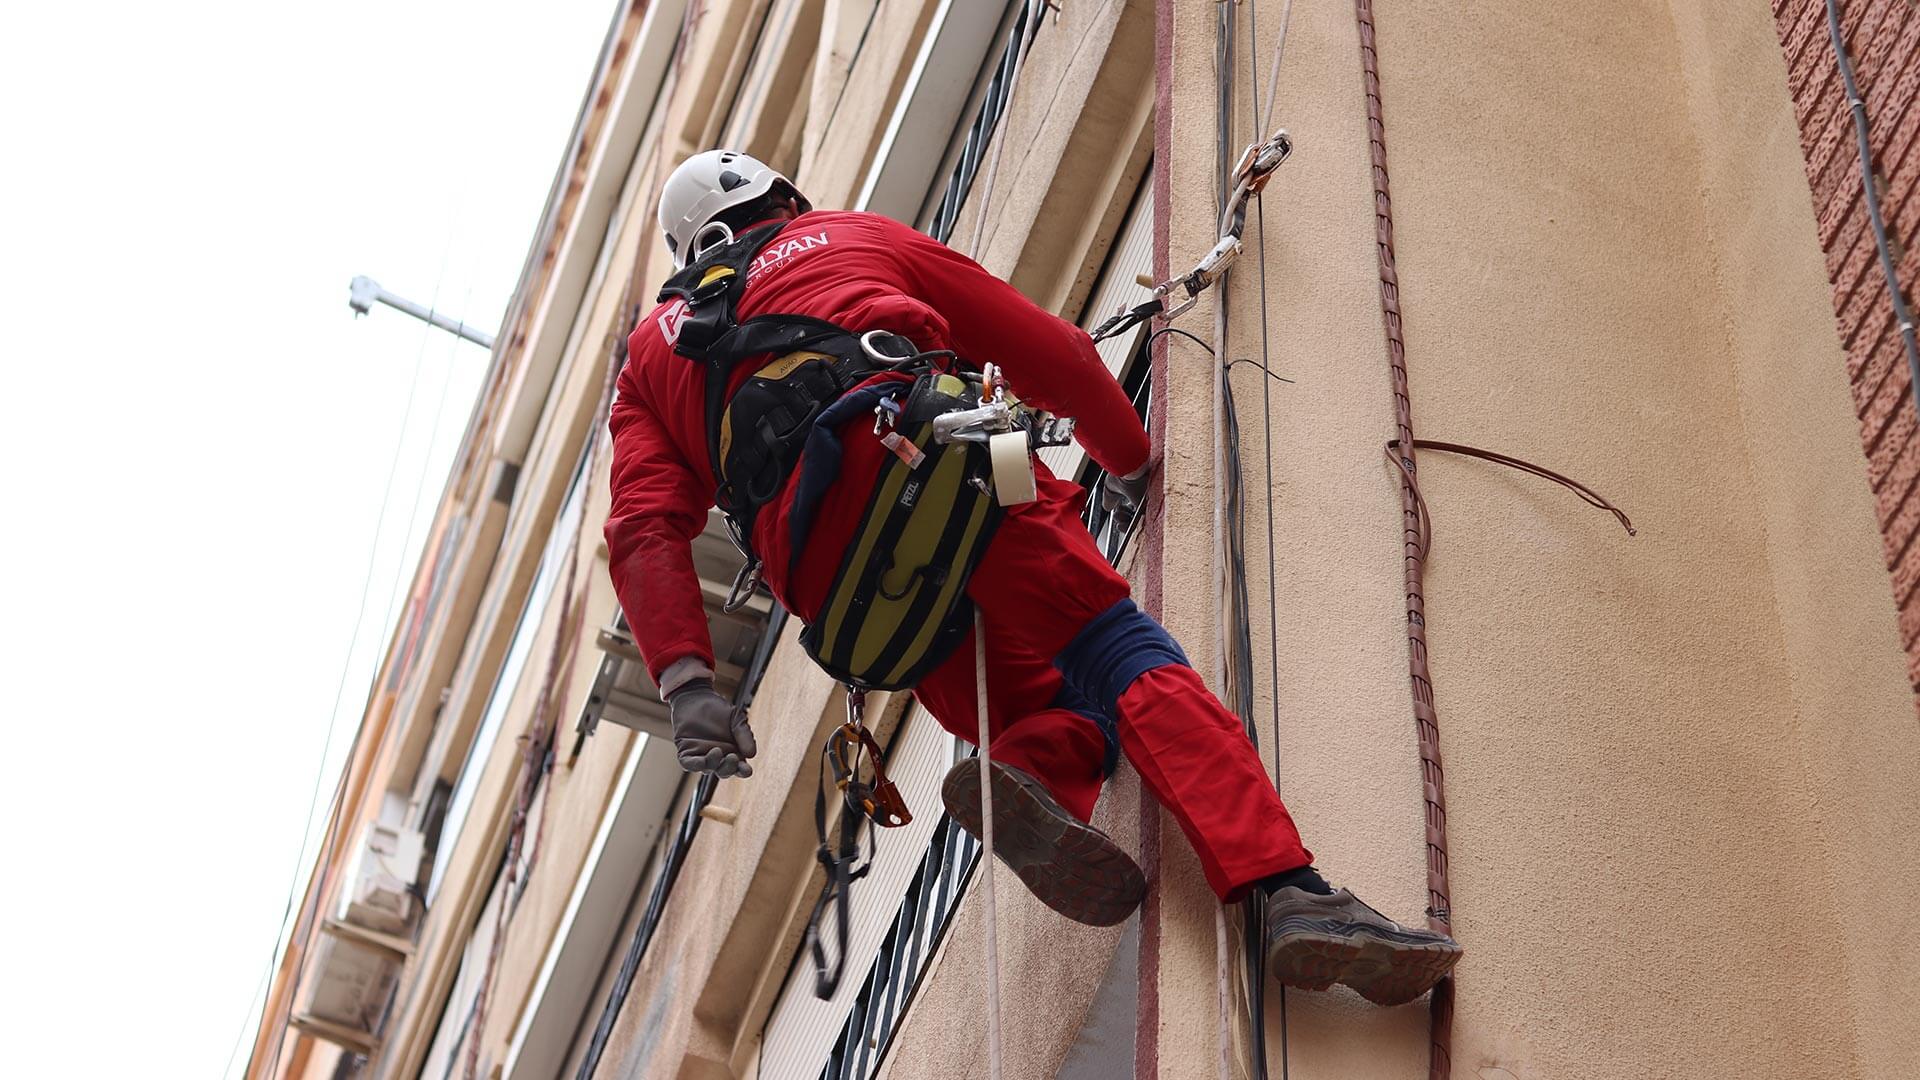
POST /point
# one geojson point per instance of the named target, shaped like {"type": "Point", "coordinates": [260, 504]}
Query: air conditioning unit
{"type": "Point", "coordinates": [348, 987]}
{"type": "Point", "coordinates": [380, 895]}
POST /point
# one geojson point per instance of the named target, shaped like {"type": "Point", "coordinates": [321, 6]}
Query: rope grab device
{"type": "Point", "coordinates": [1250, 176]}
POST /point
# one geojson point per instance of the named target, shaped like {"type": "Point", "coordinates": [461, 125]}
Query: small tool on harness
{"type": "Point", "coordinates": [1250, 176]}
{"type": "Point", "coordinates": [878, 802]}
{"type": "Point", "coordinates": [1011, 432]}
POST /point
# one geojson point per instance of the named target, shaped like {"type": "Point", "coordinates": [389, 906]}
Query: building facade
{"type": "Point", "coordinates": [1677, 821]}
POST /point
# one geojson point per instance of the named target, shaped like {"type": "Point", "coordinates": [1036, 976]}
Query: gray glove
{"type": "Point", "coordinates": [1129, 491]}
{"type": "Point", "coordinates": [708, 732]}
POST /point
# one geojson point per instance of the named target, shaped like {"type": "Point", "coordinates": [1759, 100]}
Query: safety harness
{"type": "Point", "coordinates": [961, 447]}
{"type": "Point", "coordinates": [754, 438]}
{"type": "Point", "coordinates": [897, 606]}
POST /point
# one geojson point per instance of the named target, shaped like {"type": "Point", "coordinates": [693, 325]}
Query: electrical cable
{"type": "Point", "coordinates": [426, 467]}
{"type": "Point", "coordinates": [1195, 338]}
{"type": "Point", "coordinates": [240, 1039]}
{"type": "Point", "coordinates": [1870, 192]}
{"type": "Point", "coordinates": [1275, 376]}
{"type": "Point", "coordinates": [1227, 583]}
{"type": "Point", "coordinates": [1256, 913]}
{"type": "Point", "coordinates": [1426, 717]}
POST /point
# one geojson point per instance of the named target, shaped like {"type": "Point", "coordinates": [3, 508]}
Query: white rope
{"type": "Point", "coordinates": [992, 918]}
{"type": "Point", "coordinates": [1223, 995]}
{"type": "Point", "coordinates": [1035, 12]}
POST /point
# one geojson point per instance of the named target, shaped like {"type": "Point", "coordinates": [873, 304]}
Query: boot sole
{"type": "Point", "coordinates": [1384, 967]}
{"type": "Point", "coordinates": [1071, 867]}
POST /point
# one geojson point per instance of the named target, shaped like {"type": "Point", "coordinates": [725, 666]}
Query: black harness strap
{"type": "Point", "coordinates": [769, 426]}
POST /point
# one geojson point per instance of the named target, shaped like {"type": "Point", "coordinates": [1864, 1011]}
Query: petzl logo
{"type": "Point", "coordinates": [671, 320]}
{"type": "Point", "coordinates": [910, 494]}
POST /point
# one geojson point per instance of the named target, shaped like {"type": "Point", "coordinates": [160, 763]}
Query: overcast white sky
{"type": "Point", "coordinates": [198, 437]}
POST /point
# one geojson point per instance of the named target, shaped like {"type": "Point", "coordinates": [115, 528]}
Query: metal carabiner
{"type": "Point", "coordinates": [745, 583]}
{"type": "Point", "coordinates": [880, 801]}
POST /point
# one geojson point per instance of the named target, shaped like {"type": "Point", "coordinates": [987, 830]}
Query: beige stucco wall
{"type": "Point", "coordinates": [1681, 768]}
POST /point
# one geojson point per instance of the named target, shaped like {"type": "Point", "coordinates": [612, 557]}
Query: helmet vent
{"type": "Point", "coordinates": [730, 180]}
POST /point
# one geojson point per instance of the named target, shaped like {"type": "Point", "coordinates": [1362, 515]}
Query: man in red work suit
{"type": "Point", "coordinates": [1072, 664]}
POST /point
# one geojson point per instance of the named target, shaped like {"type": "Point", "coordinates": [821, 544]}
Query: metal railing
{"type": "Point", "coordinates": [973, 151]}
{"type": "Point", "coordinates": [948, 865]}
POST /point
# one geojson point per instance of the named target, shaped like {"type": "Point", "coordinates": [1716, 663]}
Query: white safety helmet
{"type": "Point", "coordinates": [707, 185]}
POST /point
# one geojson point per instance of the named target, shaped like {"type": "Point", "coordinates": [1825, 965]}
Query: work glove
{"type": "Point", "coordinates": [1129, 491]}
{"type": "Point", "coordinates": [709, 734]}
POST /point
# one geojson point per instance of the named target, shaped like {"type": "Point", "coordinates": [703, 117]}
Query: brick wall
{"type": "Point", "coordinates": [1883, 37]}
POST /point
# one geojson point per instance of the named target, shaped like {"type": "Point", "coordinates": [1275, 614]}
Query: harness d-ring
{"type": "Point", "coordinates": [871, 341]}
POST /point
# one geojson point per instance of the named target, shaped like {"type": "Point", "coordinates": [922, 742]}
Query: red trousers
{"type": "Point", "coordinates": [1042, 580]}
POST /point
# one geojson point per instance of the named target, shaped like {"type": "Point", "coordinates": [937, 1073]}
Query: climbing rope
{"type": "Point", "coordinates": [991, 930]}
{"type": "Point", "coordinates": [992, 915]}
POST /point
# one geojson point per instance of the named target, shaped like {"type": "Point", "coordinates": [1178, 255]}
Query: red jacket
{"type": "Point", "coordinates": [863, 272]}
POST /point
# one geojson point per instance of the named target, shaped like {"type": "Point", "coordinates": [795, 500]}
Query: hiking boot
{"type": "Point", "coordinates": [1069, 865]}
{"type": "Point", "coordinates": [1315, 940]}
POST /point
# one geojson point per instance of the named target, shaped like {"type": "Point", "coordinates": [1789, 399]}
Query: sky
{"type": "Point", "coordinates": [219, 478]}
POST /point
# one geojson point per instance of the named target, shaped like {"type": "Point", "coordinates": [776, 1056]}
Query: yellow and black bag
{"type": "Point", "coordinates": [898, 604]}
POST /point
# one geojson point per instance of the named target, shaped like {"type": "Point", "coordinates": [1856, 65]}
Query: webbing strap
{"type": "Point", "coordinates": [842, 872]}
